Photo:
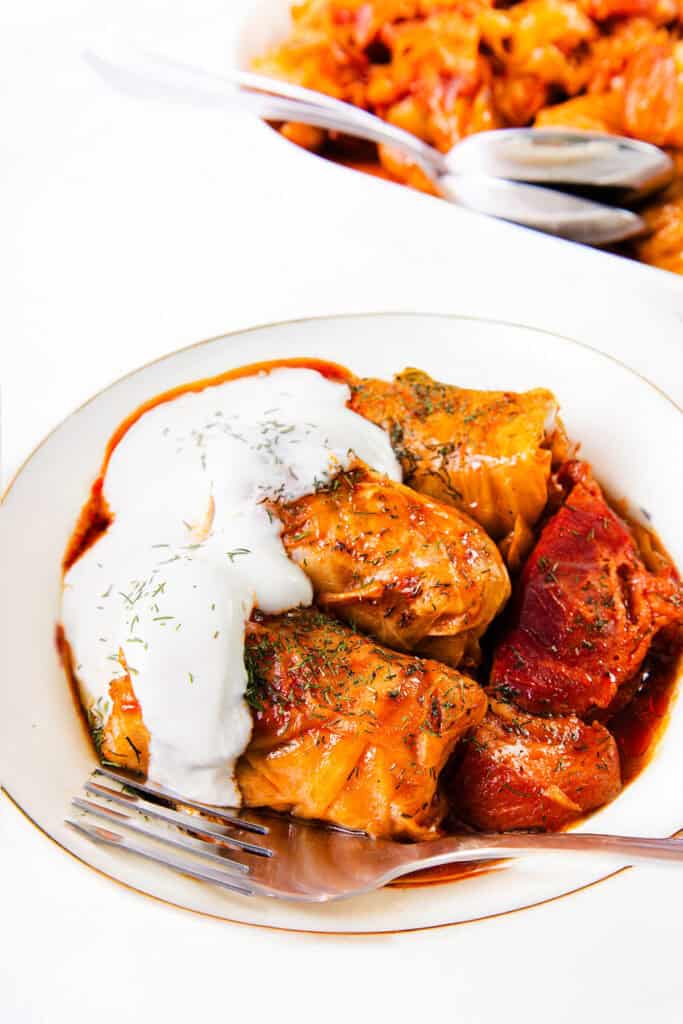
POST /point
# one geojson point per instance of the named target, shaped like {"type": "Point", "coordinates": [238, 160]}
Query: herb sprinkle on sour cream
{"type": "Point", "coordinates": [165, 593]}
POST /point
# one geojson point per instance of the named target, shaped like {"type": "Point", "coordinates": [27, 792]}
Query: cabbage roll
{"type": "Point", "coordinates": [348, 731]}
{"type": "Point", "coordinates": [417, 574]}
{"type": "Point", "coordinates": [489, 453]}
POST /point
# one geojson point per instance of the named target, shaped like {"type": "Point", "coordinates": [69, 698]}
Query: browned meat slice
{"type": "Point", "coordinates": [524, 772]}
{"type": "Point", "coordinates": [585, 609]}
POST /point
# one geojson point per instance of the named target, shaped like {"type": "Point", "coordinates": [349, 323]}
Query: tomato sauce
{"type": "Point", "coordinates": [636, 727]}
{"type": "Point", "coordinates": [639, 725]}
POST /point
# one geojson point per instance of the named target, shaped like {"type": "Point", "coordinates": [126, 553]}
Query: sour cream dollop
{"type": "Point", "coordinates": [192, 550]}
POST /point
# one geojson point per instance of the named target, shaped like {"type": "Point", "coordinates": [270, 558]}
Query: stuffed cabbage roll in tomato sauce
{"type": "Point", "coordinates": [489, 453]}
{"type": "Point", "coordinates": [520, 771]}
{"type": "Point", "coordinates": [417, 574]}
{"type": "Point", "coordinates": [348, 731]}
{"type": "Point", "coordinates": [586, 608]}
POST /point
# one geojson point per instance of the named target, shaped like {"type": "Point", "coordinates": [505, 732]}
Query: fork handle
{"type": "Point", "coordinates": [495, 846]}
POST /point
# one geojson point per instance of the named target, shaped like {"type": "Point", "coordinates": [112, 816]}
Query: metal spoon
{"type": "Point", "coordinates": [556, 156]}
{"type": "Point", "coordinates": [547, 210]}
{"type": "Point", "coordinates": [555, 213]}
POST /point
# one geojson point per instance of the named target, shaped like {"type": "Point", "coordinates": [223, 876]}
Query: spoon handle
{"type": "Point", "coordinates": [356, 121]}
{"type": "Point", "coordinates": [145, 74]}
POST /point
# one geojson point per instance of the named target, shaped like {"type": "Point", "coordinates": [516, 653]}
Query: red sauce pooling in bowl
{"type": "Point", "coordinates": [636, 727]}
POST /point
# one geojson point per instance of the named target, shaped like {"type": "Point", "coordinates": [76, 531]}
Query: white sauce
{"type": "Point", "coordinates": [192, 550]}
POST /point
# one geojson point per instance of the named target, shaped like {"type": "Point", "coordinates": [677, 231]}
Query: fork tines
{"type": "Point", "coordinates": [163, 819]}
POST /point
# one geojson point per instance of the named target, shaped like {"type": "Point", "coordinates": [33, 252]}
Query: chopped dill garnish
{"type": "Point", "coordinates": [137, 752]}
{"type": "Point", "coordinates": [232, 555]}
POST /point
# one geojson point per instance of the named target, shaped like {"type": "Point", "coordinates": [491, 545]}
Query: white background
{"type": "Point", "coordinates": [129, 229]}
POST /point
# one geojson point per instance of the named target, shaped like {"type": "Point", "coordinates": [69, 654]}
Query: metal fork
{"type": "Point", "coordinates": [267, 854]}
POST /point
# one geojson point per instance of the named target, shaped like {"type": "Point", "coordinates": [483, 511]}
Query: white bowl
{"type": "Point", "coordinates": [629, 430]}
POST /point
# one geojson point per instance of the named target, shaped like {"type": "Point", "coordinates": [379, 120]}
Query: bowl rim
{"type": "Point", "coordinates": [292, 321]}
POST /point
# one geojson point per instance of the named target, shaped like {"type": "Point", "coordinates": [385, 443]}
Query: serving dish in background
{"type": "Point", "coordinates": [46, 754]}
{"type": "Point", "coordinates": [597, 67]}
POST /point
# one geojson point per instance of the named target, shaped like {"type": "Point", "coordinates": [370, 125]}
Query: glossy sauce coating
{"type": "Point", "coordinates": [636, 726]}
{"type": "Point", "coordinates": [519, 769]}
{"type": "Point", "coordinates": [416, 574]}
{"type": "Point", "coordinates": [585, 611]}
{"type": "Point", "coordinates": [347, 730]}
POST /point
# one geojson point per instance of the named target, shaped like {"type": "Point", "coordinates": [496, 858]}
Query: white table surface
{"type": "Point", "coordinates": [130, 229]}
